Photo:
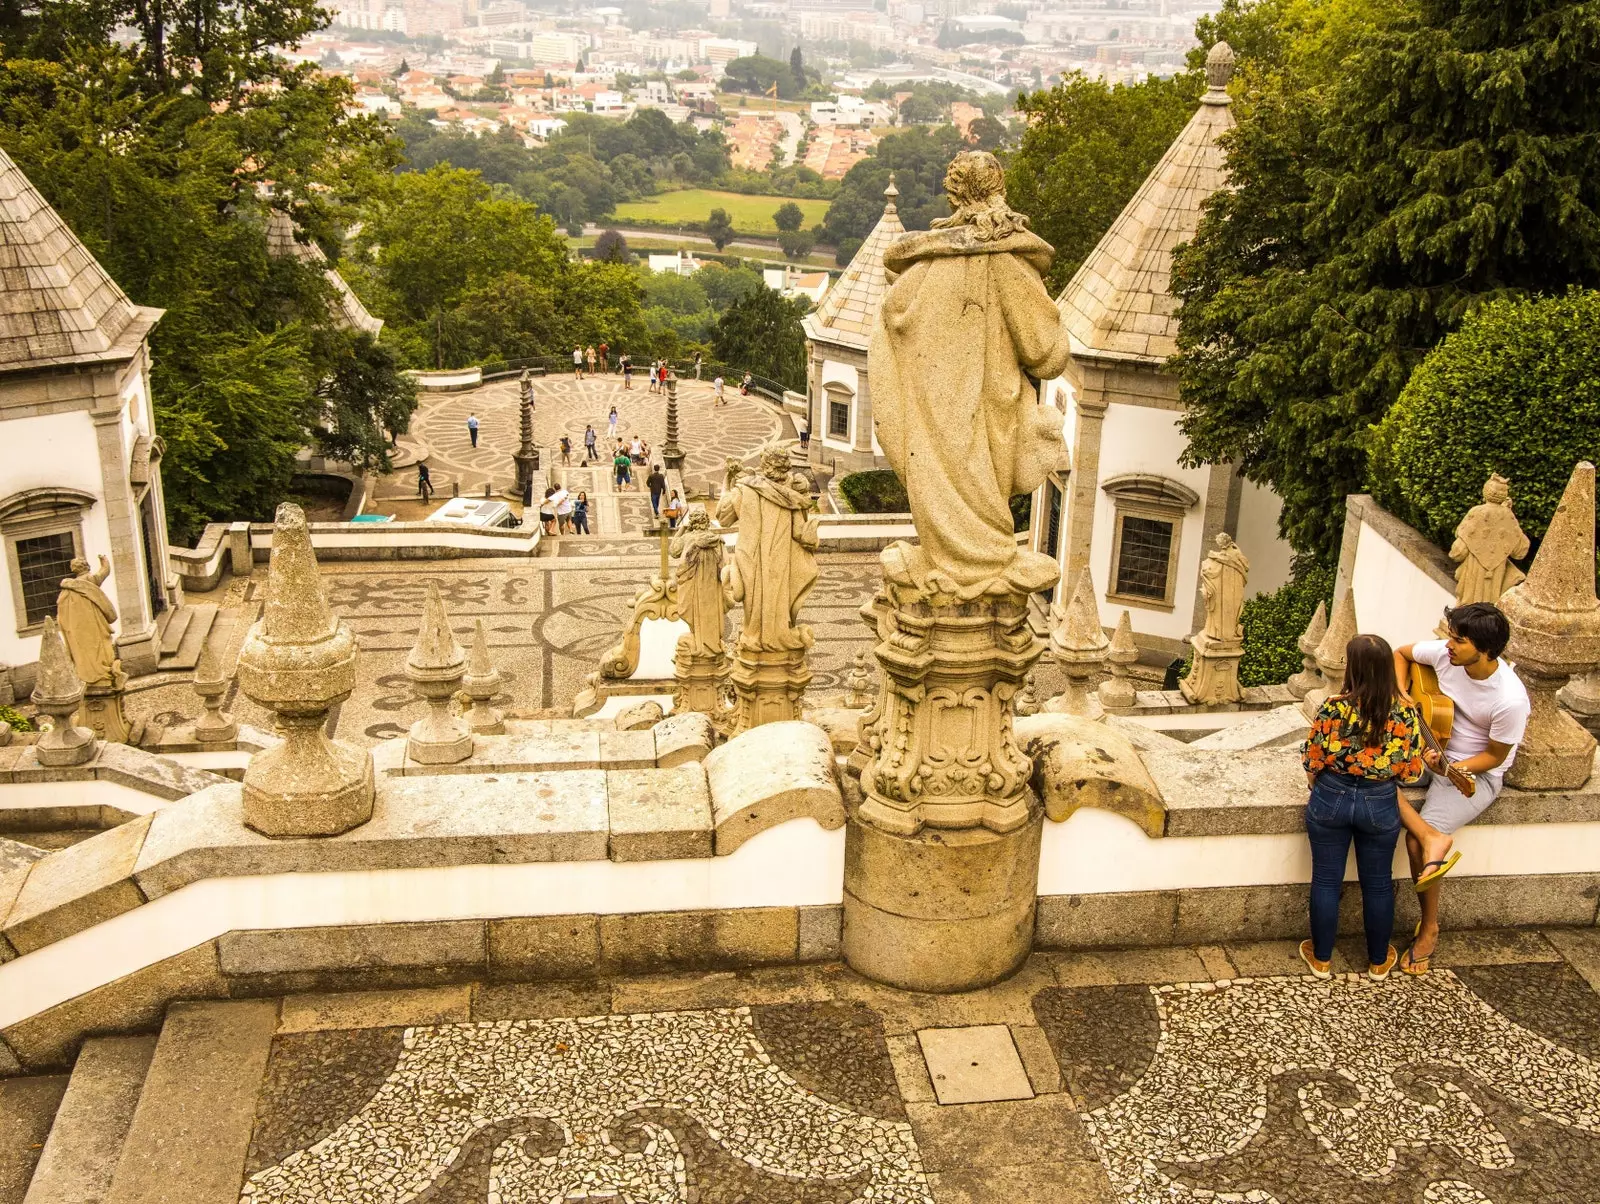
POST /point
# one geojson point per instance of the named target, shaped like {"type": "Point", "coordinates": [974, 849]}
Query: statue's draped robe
{"type": "Point", "coordinates": [700, 588]}
{"type": "Point", "coordinates": [85, 615]}
{"type": "Point", "coordinates": [773, 568]}
{"type": "Point", "coordinates": [1223, 574]}
{"type": "Point", "coordinates": [1487, 540]}
{"type": "Point", "coordinates": [956, 415]}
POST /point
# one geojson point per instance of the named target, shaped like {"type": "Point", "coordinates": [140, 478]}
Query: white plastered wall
{"type": "Point", "coordinates": [1271, 558]}
{"type": "Point", "coordinates": [1394, 598]}
{"type": "Point", "coordinates": [834, 372]}
{"type": "Point", "coordinates": [1147, 440]}
{"type": "Point", "coordinates": [50, 451]}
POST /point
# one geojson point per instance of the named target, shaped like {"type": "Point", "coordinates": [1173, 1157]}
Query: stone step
{"type": "Point", "coordinates": [173, 628]}
{"type": "Point", "coordinates": [27, 1108]}
{"type": "Point", "coordinates": [186, 654]}
{"type": "Point", "coordinates": [191, 1128]}
{"type": "Point", "coordinates": [85, 1143]}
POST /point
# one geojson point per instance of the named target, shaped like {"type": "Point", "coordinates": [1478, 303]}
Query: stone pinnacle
{"type": "Point", "coordinates": [1342, 629]}
{"type": "Point", "coordinates": [56, 682]}
{"type": "Point", "coordinates": [1123, 650]}
{"type": "Point", "coordinates": [1080, 632]}
{"type": "Point", "coordinates": [296, 611]}
{"type": "Point", "coordinates": [436, 650]}
{"type": "Point", "coordinates": [478, 662]}
{"type": "Point", "coordinates": [1315, 630]}
{"type": "Point", "coordinates": [1562, 575]}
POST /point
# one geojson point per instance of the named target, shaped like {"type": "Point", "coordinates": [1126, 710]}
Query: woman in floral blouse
{"type": "Point", "coordinates": [1364, 741]}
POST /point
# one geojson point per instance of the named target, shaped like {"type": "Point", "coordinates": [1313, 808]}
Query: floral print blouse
{"type": "Point", "coordinates": [1336, 743]}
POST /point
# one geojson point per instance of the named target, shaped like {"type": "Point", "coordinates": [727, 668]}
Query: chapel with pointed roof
{"type": "Point", "coordinates": [83, 460]}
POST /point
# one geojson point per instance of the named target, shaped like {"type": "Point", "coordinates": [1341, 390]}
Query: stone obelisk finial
{"type": "Point", "coordinates": [1118, 690]}
{"type": "Point", "coordinates": [1079, 646]}
{"type": "Point", "coordinates": [436, 666]}
{"type": "Point", "coordinates": [481, 684]}
{"type": "Point", "coordinates": [1330, 653]}
{"type": "Point", "coordinates": [1310, 677]}
{"type": "Point", "coordinates": [1555, 634]}
{"type": "Point", "coordinates": [57, 691]}
{"type": "Point", "coordinates": [298, 661]}
{"type": "Point", "coordinates": [671, 454]}
{"type": "Point", "coordinates": [216, 725]}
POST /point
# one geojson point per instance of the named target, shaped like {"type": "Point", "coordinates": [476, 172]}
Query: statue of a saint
{"type": "Point", "coordinates": [965, 324]}
{"type": "Point", "coordinates": [774, 565]}
{"type": "Point", "coordinates": [1487, 540]}
{"type": "Point", "coordinates": [1223, 574]}
{"type": "Point", "coordinates": [701, 602]}
{"type": "Point", "coordinates": [85, 616]}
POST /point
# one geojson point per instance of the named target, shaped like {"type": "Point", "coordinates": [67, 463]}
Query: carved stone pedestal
{"type": "Point", "coordinates": [767, 685]}
{"type": "Point", "coordinates": [698, 681]}
{"type": "Point", "coordinates": [937, 748]}
{"type": "Point", "coordinates": [1214, 677]}
{"type": "Point", "coordinates": [940, 911]}
{"type": "Point", "coordinates": [101, 712]}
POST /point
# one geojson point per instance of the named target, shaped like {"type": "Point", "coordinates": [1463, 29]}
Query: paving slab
{"type": "Point", "coordinates": [974, 1065]}
{"type": "Point", "coordinates": [79, 1159]}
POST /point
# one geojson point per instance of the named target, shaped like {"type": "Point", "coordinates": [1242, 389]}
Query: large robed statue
{"type": "Point", "coordinates": [964, 325]}
{"type": "Point", "coordinates": [85, 616]}
{"type": "Point", "coordinates": [1486, 542]}
{"type": "Point", "coordinates": [701, 602]}
{"type": "Point", "coordinates": [774, 566]}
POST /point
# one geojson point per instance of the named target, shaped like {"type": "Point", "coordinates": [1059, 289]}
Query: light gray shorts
{"type": "Point", "coordinates": [1447, 809]}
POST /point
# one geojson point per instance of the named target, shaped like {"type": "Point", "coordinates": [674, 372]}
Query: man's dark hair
{"type": "Point", "coordinates": [1483, 624]}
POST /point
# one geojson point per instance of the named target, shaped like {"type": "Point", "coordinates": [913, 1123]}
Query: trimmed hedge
{"type": "Point", "coordinates": [1515, 390]}
{"type": "Point", "coordinates": [1273, 624]}
{"type": "Point", "coordinates": [879, 491]}
{"type": "Point", "coordinates": [18, 721]}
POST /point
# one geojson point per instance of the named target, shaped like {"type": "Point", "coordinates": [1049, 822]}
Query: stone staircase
{"type": "Point", "coordinates": [183, 631]}
{"type": "Point", "coordinates": [143, 1119]}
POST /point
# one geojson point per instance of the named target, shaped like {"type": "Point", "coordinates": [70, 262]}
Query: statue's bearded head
{"type": "Point", "coordinates": [79, 566]}
{"type": "Point", "coordinates": [1497, 490]}
{"type": "Point", "coordinates": [696, 520]}
{"type": "Point", "coordinates": [775, 462]}
{"type": "Point", "coordinates": [976, 184]}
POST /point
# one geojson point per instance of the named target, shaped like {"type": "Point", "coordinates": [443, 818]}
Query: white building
{"type": "Point", "coordinates": [725, 50]}
{"type": "Point", "coordinates": [81, 472]}
{"type": "Point", "coordinates": [789, 281]}
{"type": "Point", "coordinates": [1127, 510]}
{"type": "Point", "coordinates": [677, 263]}
{"type": "Point", "coordinates": [838, 399]}
{"type": "Point", "coordinates": [548, 49]}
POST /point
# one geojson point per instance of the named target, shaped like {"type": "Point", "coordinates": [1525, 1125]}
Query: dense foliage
{"type": "Point", "coordinates": [761, 333]}
{"type": "Point", "coordinates": [159, 156]}
{"type": "Point", "coordinates": [917, 158]}
{"type": "Point", "coordinates": [1396, 164]}
{"type": "Point", "coordinates": [1273, 624]}
{"type": "Point", "coordinates": [1086, 150]}
{"type": "Point", "coordinates": [1515, 390]}
{"type": "Point", "coordinates": [874, 491]}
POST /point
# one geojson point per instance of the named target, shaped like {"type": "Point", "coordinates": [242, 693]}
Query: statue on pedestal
{"type": "Point", "coordinates": [700, 663]}
{"type": "Point", "coordinates": [1219, 646]}
{"type": "Point", "coordinates": [774, 567]}
{"type": "Point", "coordinates": [85, 616]}
{"type": "Point", "coordinates": [965, 329]}
{"type": "Point", "coordinates": [1488, 539]}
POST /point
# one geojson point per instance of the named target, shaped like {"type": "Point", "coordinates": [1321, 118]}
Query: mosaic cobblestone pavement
{"type": "Point", "coordinates": [562, 406]}
{"type": "Point", "coordinates": [1160, 1075]}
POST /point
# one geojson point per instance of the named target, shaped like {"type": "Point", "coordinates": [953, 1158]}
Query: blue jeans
{"type": "Point", "coordinates": [1341, 809]}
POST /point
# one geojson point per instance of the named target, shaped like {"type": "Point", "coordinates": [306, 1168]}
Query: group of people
{"type": "Point", "coordinates": [560, 513]}
{"type": "Point", "coordinates": [590, 359]}
{"type": "Point", "coordinates": [1368, 739]}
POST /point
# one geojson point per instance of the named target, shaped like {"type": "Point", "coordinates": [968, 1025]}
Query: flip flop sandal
{"type": "Point", "coordinates": [1429, 876]}
{"type": "Point", "coordinates": [1414, 966]}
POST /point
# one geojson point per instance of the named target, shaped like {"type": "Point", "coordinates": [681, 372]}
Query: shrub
{"type": "Point", "coordinates": [1273, 624]}
{"type": "Point", "coordinates": [877, 491]}
{"type": "Point", "coordinates": [18, 721]}
{"type": "Point", "coordinates": [1515, 390]}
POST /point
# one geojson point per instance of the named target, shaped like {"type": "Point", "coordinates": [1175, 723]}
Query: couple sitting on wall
{"type": "Point", "coordinates": [1368, 739]}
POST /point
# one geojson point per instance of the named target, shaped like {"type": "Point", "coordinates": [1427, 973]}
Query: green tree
{"type": "Point", "coordinates": [761, 333]}
{"type": "Point", "coordinates": [755, 74]}
{"type": "Point", "coordinates": [1086, 150]}
{"type": "Point", "coordinates": [987, 133]}
{"type": "Point", "coordinates": [789, 216]}
{"type": "Point", "coordinates": [1446, 160]}
{"type": "Point", "coordinates": [723, 286]}
{"type": "Point", "coordinates": [919, 110]}
{"type": "Point", "coordinates": [796, 244]}
{"type": "Point", "coordinates": [917, 158]}
{"type": "Point", "coordinates": [612, 247]}
{"type": "Point", "coordinates": [1514, 390]}
{"type": "Point", "coordinates": [797, 68]}
{"type": "Point", "coordinates": [720, 227]}
{"type": "Point", "coordinates": [367, 397]}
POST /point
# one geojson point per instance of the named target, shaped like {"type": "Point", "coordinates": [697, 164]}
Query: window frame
{"type": "Point", "coordinates": [32, 515]}
{"type": "Point", "coordinates": [1157, 499]}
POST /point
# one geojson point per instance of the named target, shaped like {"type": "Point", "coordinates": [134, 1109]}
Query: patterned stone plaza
{"type": "Point", "coordinates": [1194, 1074]}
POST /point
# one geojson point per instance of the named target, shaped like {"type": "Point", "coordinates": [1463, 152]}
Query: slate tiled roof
{"type": "Point", "coordinates": [1118, 304]}
{"type": "Point", "coordinates": [281, 240]}
{"type": "Point", "coordinates": [848, 311]}
{"type": "Point", "coordinates": [57, 304]}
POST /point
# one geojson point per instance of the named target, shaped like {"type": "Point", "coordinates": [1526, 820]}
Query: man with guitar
{"type": "Point", "coordinates": [1477, 708]}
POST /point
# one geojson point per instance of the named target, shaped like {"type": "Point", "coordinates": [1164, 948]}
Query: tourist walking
{"type": "Point", "coordinates": [580, 514]}
{"type": "Point", "coordinates": [744, 386]}
{"type": "Point", "coordinates": [611, 423]}
{"type": "Point", "coordinates": [605, 362]}
{"type": "Point", "coordinates": [577, 362]}
{"type": "Point", "coordinates": [627, 371]}
{"type": "Point", "coordinates": [623, 467]}
{"type": "Point", "coordinates": [636, 450]}
{"type": "Point", "coordinates": [424, 482]}
{"type": "Point", "coordinates": [656, 482]}
{"type": "Point", "coordinates": [675, 510]}
{"type": "Point", "coordinates": [472, 428]}
{"type": "Point", "coordinates": [589, 358]}
{"type": "Point", "coordinates": [805, 431]}
{"type": "Point", "coordinates": [566, 450]}
{"type": "Point", "coordinates": [589, 452]}
{"type": "Point", "coordinates": [664, 370]}
{"type": "Point", "coordinates": [547, 512]}
{"type": "Point", "coordinates": [1363, 742]}
{"type": "Point", "coordinates": [697, 359]}
{"type": "Point", "coordinates": [716, 388]}
{"type": "Point", "coordinates": [651, 386]}
{"type": "Point", "coordinates": [564, 509]}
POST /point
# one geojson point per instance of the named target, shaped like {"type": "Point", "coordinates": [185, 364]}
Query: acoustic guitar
{"type": "Point", "coordinates": [1438, 717]}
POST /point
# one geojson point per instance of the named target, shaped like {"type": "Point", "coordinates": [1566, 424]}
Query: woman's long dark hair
{"type": "Point", "coordinates": [1369, 684]}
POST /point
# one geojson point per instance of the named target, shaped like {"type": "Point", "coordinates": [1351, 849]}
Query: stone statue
{"type": "Point", "coordinates": [1487, 541]}
{"type": "Point", "coordinates": [774, 567]}
{"type": "Point", "coordinates": [1222, 579]}
{"type": "Point", "coordinates": [965, 324]}
{"type": "Point", "coordinates": [1219, 646]}
{"type": "Point", "coordinates": [700, 663]}
{"type": "Point", "coordinates": [85, 616]}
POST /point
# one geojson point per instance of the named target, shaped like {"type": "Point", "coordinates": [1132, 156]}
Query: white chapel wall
{"type": "Point", "coordinates": [834, 372]}
{"type": "Point", "coordinates": [1271, 558]}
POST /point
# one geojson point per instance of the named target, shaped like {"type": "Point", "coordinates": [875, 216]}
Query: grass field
{"type": "Point", "coordinates": [750, 214]}
{"type": "Point", "coordinates": [743, 250]}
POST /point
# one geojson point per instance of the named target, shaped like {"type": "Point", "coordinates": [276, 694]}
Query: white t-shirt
{"type": "Point", "coordinates": [1495, 708]}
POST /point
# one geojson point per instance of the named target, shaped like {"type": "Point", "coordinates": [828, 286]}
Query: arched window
{"type": "Point", "coordinates": [1147, 527]}
{"type": "Point", "coordinates": [43, 531]}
